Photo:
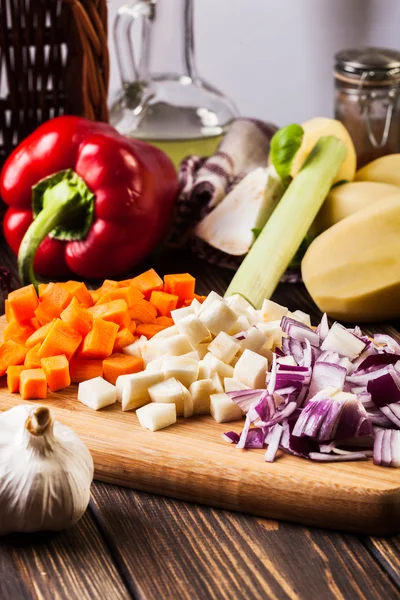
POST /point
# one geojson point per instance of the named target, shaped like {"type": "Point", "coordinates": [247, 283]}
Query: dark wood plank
{"type": "Point", "coordinates": [387, 552]}
{"type": "Point", "coordinates": [169, 549]}
{"type": "Point", "coordinates": [72, 565]}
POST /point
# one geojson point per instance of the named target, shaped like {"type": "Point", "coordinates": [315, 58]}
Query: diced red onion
{"type": "Point", "coordinates": [323, 327]}
{"type": "Point", "coordinates": [272, 380]}
{"type": "Point", "coordinates": [387, 340]}
{"type": "Point", "coordinates": [231, 436]}
{"type": "Point", "coordinates": [274, 438]}
{"type": "Point", "coordinates": [326, 375]}
{"type": "Point", "coordinates": [246, 399]}
{"type": "Point", "coordinates": [318, 456]}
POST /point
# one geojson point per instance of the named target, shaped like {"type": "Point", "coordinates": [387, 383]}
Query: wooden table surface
{"type": "Point", "coordinates": [135, 545]}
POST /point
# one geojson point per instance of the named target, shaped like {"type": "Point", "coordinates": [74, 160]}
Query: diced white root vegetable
{"type": "Point", "coordinates": [301, 316]}
{"type": "Point", "coordinates": [176, 345]}
{"type": "Point", "coordinates": [223, 409]}
{"type": "Point", "coordinates": [242, 324]}
{"type": "Point", "coordinates": [234, 385]}
{"type": "Point", "coordinates": [193, 354]}
{"type": "Point", "coordinates": [155, 366]}
{"type": "Point", "coordinates": [287, 360]}
{"type": "Point", "coordinates": [272, 332]}
{"type": "Point", "coordinates": [218, 317]}
{"type": "Point", "coordinates": [224, 347]}
{"type": "Point", "coordinates": [169, 391]}
{"type": "Point", "coordinates": [201, 349]}
{"type": "Point", "coordinates": [204, 370]}
{"type": "Point", "coordinates": [187, 404]}
{"type": "Point", "coordinates": [135, 390]}
{"type": "Point", "coordinates": [120, 384]}
{"type": "Point", "coordinates": [135, 349]}
{"type": "Point", "coordinates": [185, 370]}
{"type": "Point", "coordinates": [217, 365]}
{"type": "Point", "coordinates": [156, 416]}
{"type": "Point", "coordinates": [343, 342]}
{"type": "Point", "coordinates": [97, 393]}
{"type": "Point", "coordinates": [194, 330]}
{"type": "Point", "coordinates": [180, 313]}
{"type": "Point", "coordinates": [196, 305]}
{"type": "Point", "coordinates": [201, 392]}
{"type": "Point", "coordinates": [254, 340]}
{"type": "Point", "coordinates": [238, 304]}
{"type": "Point", "coordinates": [271, 311]}
{"type": "Point", "coordinates": [254, 316]}
{"type": "Point", "coordinates": [266, 352]}
{"type": "Point", "coordinates": [234, 361]}
{"type": "Point", "coordinates": [166, 333]}
{"type": "Point", "coordinates": [212, 296]}
{"type": "Point", "coordinates": [251, 369]}
{"type": "Point", "coordinates": [217, 381]}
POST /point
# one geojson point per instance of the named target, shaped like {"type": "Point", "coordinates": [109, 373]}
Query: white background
{"type": "Point", "coordinates": [274, 57]}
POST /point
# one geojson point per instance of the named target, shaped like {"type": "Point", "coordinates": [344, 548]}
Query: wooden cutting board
{"type": "Point", "coordinates": [190, 461]}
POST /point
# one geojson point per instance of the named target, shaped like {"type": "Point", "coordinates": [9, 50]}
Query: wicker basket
{"type": "Point", "coordinates": [53, 61]}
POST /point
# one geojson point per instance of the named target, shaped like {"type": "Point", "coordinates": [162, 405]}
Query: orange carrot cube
{"type": "Point", "coordinates": [81, 369]}
{"type": "Point", "coordinates": [165, 321]}
{"type": "Point", "coordinates": [11, 353]}
{"type": "Point", "coordinates": [56, 370]}
{"type": "Point", "coordinates": [128, 293]}
{"type": "Point", "coordinates": [100, 340]}
{"type": "Point", "coordinates": [148, 329]}
{"type": "Point", "coordinates": [23, 302]}
{"type": "Point", "coordinates": [124, 338]}
{"type": "Point", "coordinates": [147, 282]}
{"type": "Point", "coordinates": [164, 302]}
{"type": "Point", "coordinates": [32, 360]}
{"type": "Point", "coordinates": [38, 336]}
{"type": "Point", "coordinates": [121, 364]}
{"type": "Point", "coordinates": [80, 319]}
{"type": "Point", "coordinates": [13, 377]}
{"type": "Point", "coordinates": [8, 311]}
{"type": "Point", "coordinates": [33, 384]}
{"type": "Point", "coordinates": [181, 284]}
{"type": "Point", "coordinates": [61, 339]}
{"type": "Point", "coordinates": [18, 332]}
{"type": "Point", "coordinates": [115, 311]}
{"type": "Point", "coordinates": [79, 291]}
{"type": "Point", "coordinates": [143, 312]}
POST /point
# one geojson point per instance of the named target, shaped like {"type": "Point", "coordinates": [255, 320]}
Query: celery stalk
{"type": "Point", "coordinates": [275, 247]}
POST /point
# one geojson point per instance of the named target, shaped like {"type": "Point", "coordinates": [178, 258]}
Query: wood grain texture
{"type": "Point", "coordinates": [173, 550]}
{"type": "Point", "coordinates": [72, 565]}
{"type": "Point", "coordinates": [191, 461]}
{"type": "Point", "coordinates": [387, 552]}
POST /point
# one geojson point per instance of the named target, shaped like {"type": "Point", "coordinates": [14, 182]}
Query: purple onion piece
{"type": "Point", "coordinates": [246, 399]}
{"type": "Point", "coordinates": [326, 375]}
{"type": "Point", "coordinates": [274, 438]}
{"type": "Point", "coordinates": [319, 457]}
{"type": "Point", "coordinates": [231, 436]}
{"type": "Point", "coordinates": [387, 340]}
{"type": "Point", "coordinates": [323, 327]}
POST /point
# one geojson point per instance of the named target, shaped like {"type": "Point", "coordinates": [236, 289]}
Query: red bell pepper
{"type": "Point", "coordinates": [84, 199]}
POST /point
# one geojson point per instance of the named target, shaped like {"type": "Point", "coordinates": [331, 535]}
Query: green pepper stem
{"type": "Point", "coordinates": [63, 207]}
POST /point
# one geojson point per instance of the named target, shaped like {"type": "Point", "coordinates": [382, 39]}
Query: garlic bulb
{"type": "Point", "coordinates": [45, 472]}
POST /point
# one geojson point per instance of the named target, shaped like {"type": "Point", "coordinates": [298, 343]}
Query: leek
{"type": "Point", "coordinates": [278, 242]}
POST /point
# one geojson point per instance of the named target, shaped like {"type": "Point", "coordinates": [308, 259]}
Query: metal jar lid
{"type": "Point", "coordinates": [381, 64]}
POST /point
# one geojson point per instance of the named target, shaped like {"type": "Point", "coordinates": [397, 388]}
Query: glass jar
{"type": "Point", "coordinates": [367, 92]}
{"type": "Point", "coordinates": [162, 99]}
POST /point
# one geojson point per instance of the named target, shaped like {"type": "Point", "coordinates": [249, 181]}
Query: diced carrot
{"type": "Point", "coordinates": [80, 319]}
{"type": "Point", "coordinates": [23, 302]}
{"type": "Point", "coordinates": [165, 321]}
{"type": "Point", "coordinates": [33, 384]}
{"type": "Point", "coordinates": [128, 293]}
{"type": "Point", "coordinates": [11, 353]}
{"type": "Point", "coordinates": [180, 284]}
{"type": "Point", "coordinates": [108, 284]}
{"type": "Point", "coordinates": [147, 282]}
{"type": "Point", "coordinates": [148, 329]}
{"type": "Point", "coordinates": [143, 311]}
{"type": "Point", "coordinates": [42, 288]}
{"type": "Point", "coordinates": [164, 302]}
{"type": "Point", "coordinates": [95, 295]}
{"type": "Point", "coordinates": [38, 336]}
{"type": "Point", "coordinates": [56, 370]}
{"type": "Point", "coordinates": [32, 360]}
{"type": "Point", "coordinates": [35, 323]}
{"type": "Point", "coordinates": [56, 293]}
{"type": "Point", "coordinates": [13, 377]}
{"type": "Point", "coordinates": [79, 291]}
{"type": "Point", "coordinates": [104, 298]}
{"type": "Point", "coordinates": [100, 340]}
{"type": "Point", "coordinates": [121, 364]}
{"type": "Point", "coordinates": [8, 311]}
{"type": "Point", "coordinates": [124, 338]}
{"type": "Point", "coordinates": [18, 332]}
{"type": "Point", "coordinates": [81, 369]}
{"type": "Point", "coordinates": [199, 298]}
{"type": "Point", "coordinates": [132, 327]}
{"type": "Point", "coordinates": [61, 339]}
{"type": "Point", "coordinates": [115, 311]}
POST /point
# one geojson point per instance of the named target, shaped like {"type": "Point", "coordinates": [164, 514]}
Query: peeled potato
{"type": "Point", "coordinates": [385, 169]}
{"type": "Point", "coordinates": [344, 200]}
{"type": "Point", "coordinates": [352, 270]}
{"type": "Point", "coordinates": [321, 126]}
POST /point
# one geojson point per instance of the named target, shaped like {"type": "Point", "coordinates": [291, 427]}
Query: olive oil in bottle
{"type": "Point", "coordinates": [178, 149]}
